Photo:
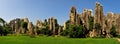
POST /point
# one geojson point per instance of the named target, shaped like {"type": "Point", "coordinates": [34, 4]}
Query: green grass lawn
{"type": "Point", "coordinates": [55, 40]}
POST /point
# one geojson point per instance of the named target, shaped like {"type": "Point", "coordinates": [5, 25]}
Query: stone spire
{"type": "Point", "coordinates": [52, 25]}
{"type": "Point", "coordinates": [73, 15]}
{"type": "Point", "coordinates": [39, 24]}
{"type": "Point", "coordinates": [26, 19]}
{"type": "Point", "coordinates": [31, 29]}
{"type": "Point", "coordinates": [117, 24]}
{"type": "Point", "coordinates": [109, 23]}
{"type": "Point", "coordinates": [86, 16]}
{"type": "Point", "coordinates": [99, 18]}
{"type": "Point", "coordinates": [64, 26]}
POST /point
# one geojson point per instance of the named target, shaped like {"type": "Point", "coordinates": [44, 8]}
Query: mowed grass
{"type": "Point", "coordinates": [55, 40]}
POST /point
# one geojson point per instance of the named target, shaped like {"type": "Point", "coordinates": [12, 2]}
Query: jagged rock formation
{"type": "Point", "coordinates": [59, 30]}
{"type": "Point", "coordinates": [117, 24]}
{"type": "Point", "coordinates": [102, 23]}
{"type": "Point", "coordinates": [39, 24]}
{"type": "Point", "coordinates": [23, 29]}
{"type": "Point", "coordinates": [82, 18]}
{"type": "Point", "coordinates": [109, 23]}
{"type": "Point", "coordinates": [52, 24]}
{"type": "Point", "coordinates": [45, 22]}
{"type": "Point", "coordinates": [31, 29]}
{"type": "Point", "coordinates": [15, 25]}
{"type": "Point", "coordinates": [99, 19]}
{"type": "Point", "coordinates": [86, 16]}
{"type": "Point", "coordinates": [92, 33]}
{"type": "Point", "coordinates": [73, 15]}
{"type": "Point", "coordinates": [64, 26]}
{"type": "Point", "coordinates": [26, 19]}
{"type": "Point", "coordinates": [112, 20]}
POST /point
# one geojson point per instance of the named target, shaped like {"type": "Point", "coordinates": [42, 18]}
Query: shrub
{"type": "Point", "coordinates": [113, 31]}
{"type": "Point", "coordinates": [76, 31]}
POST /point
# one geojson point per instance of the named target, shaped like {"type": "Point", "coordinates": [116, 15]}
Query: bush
{"type": "Point", "coordinates": [65, 32]}
{"type": "Point", "coordinates": [76, 31]}
{"type": "Point", "coordinates": [91, 23]}
{"type": "Point", "coordinates": [113, 31]}
{"type": "Point", "coordinates": [44, 31]}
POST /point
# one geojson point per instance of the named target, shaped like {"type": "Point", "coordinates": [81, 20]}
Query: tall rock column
{"type": "Point", "coordinates": [39, 24]}
{"type": "Point", "coordinates": [64, 26]}
{"type": "Point", "coordinates": [24, 29]}
{"type": "Point", "coordinates": [17, 25]}
{"type": "Point", "coordinates": [26, 19]}
{"type": "Point", "coordinates": [86, 17]}
{"type": "Point", "coordinates": [118, 25]}
{"type": "Point", "coordinates": [30, 28]}
{"type": "Point", "coordinates": [109, 24]}
{"type": "Point", "coordinates": [99, 18]}
{"type": "Point", "coordinates": [52, 25]}
{"type": "Point", "coordinates": [73, 15]}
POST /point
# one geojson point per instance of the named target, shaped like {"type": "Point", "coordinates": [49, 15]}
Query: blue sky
{"type": "Point", "coordinates": [44, 9]}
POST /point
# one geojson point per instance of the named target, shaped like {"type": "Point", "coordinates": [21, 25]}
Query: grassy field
{"type": "Point", "coordinates": [55, 40]}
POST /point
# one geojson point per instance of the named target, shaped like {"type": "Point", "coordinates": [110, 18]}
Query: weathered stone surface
{"type": "Point", "coordinates": [15, 25]}
{"type": "Point", "coordinates": [83, 18]}
{"type": "Point", "coordinates": [73, 15]}
{"type": "Point", "coordinates": [31, 29]}
{"type": "Point", "coordinates": [80, 19]}
{"type": "Point", "coordinates": [64, 26]}
{"type": "Point", "coordinates": [86, 16]}
{"type": "Point", "coordinates": [39, 24]}
{"type": "Point", "coordinates": [23, 29]}
{"type": "Point", "coordinates": [92, 33]}
{"type": "Point", "coordinates": [45, 22]}
{"type": "Point", "coordinates": [109, 23]}
{"type": "Point", "coordinates": [118, 25]}
{"type": "Point", "coordinates": [26, 19]}
{"type": "Point", "coordinates": [52, 25]}
{"type": "Point", "coordinates": [59, 30]}
{"type": "Point", "coordinates": [99, 18]}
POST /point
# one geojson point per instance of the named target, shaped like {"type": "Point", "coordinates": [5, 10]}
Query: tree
{"type": "Point", "coordinates": [7, 29]}
{"type": "Point", "coordinates": [113, 31]}
{"type": "Point", "coordinates": [24, 25]}
{"type": "Point", "coordinates": [91, 22]}
{"type": "Point", "coordinates": [66, 31]}
{"type": "Point", "coordinates": [97, 26]}
{"type": "Point", "coordinates": [76, 31]}
{"type": "Point", "coordinates": [1, 30]}
{"type": "Point", "coordinates": [56, 26]}
{"type": "Point", "coordinates": [2, 21]}
{"type": "Point", "coordinates": [4, 28]}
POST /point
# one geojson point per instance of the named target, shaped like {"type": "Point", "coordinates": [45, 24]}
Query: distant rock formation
{"type": "Point", "coordinates": [102, 24]}
{"type": "Point", "coordinates": [39, 24]}
{"type": "Point", "coordinates": [64, 26]}
{"type": "Point", "coordinates": [117, 24]}
{"type": "Point", "coordinates": [26, 19]}
{"type": "Point", "coordinates": [52, 25]}
{"type": "Point", "coordinates": [15, 25]}
{"type": "Point", "coordinates": [31, 29]}
{"type": "Point", "coordinates": [86, 16]}
{"type": "Point", "coordinates": [109, 23]}
{"type": "Point", "coordinates": [23, 29]}
{"type": "Point", "coordinates": [99, 19]}
{"type": "Point", "coordinates": [73, 15]}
